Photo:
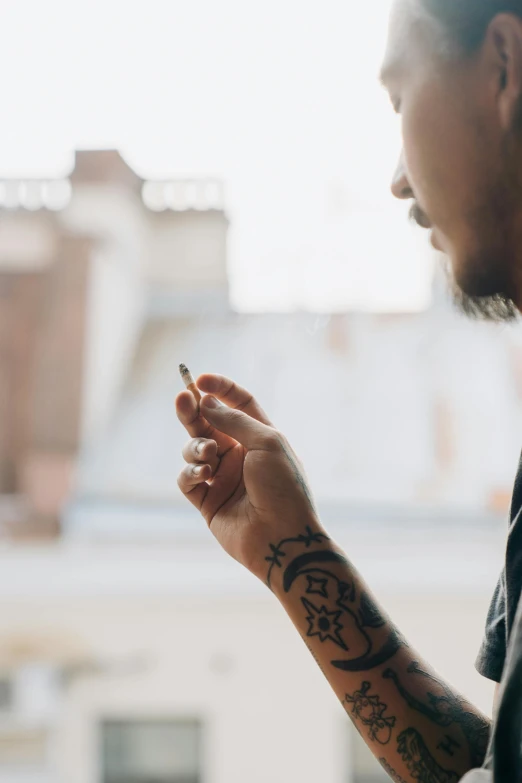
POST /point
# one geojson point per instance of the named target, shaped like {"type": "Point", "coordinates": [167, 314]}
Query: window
{"type": "Point", "coordinates": [152, 751]}
{"type": "Point", "coordinates": [6, 694]}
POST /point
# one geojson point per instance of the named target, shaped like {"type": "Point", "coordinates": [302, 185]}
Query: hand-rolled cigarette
{"type": "Point", "coordinates": [188, 380]}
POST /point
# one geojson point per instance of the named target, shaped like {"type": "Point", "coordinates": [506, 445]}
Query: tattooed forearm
{"type": "Point", "coordinates": [348, 634]}
{"type": "Point", "coordinates": [369, 709]}
{"type": "Point", "coordinates": [391, 772]}
{"type": "Point", "coordinates": [446, 709]}
{"type": "Point", "coordinates": [339, 614]}
{"type": "Point", "coordinates": [449, 745]}
{"type": "Point", "coordinates": [420, 762]}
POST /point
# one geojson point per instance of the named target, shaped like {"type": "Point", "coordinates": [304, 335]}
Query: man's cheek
{"type": "Point", "coordinates": [428, 165]}
{"type": "Point", "coordinates": [418, 158]}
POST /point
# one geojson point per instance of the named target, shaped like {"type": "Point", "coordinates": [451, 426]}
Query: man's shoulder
{"type": "Point", "coordinates": [516, 499]}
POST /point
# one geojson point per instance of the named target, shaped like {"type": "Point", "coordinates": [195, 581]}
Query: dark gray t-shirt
{"type": "Point", "coordinates": [503, 607]}
{"type": "Point", "coordinates": [500, 659]}
{"type": "Point", "coordinates": [504, 758]}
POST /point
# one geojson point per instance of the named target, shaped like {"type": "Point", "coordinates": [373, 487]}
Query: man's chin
{"type": "Point", "coordinates": [478, 296]}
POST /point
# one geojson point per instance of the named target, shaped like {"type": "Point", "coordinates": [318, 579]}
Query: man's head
{"type": "Point", "coordinates": [453, 69]}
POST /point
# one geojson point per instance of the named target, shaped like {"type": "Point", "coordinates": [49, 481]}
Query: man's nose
{"type": "Point", "coordinates": [400, 187]}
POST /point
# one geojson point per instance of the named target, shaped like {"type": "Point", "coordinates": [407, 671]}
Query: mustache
{"type": "Point", "coordinates": [419, 217]}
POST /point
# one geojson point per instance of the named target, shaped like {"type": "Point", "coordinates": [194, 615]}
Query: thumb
{"type": "Point", "coordinates": [252, 434]}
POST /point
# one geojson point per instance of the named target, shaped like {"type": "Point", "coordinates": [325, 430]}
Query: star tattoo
{"type": "Point", "coordinates": [317, 586]}
{"type": "Point", "coordinates": [276, 555]}
{"type": "Point", "coordinates": [324, 624]}
{"type": "Point", "coordinates": [311, 537]}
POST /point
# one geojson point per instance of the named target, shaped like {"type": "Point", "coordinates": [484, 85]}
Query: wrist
{"type": "Point", "coordinates": [281, 557]}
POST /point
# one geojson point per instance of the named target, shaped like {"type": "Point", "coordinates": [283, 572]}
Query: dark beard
{"type": "Point", "coordinates": [480, 306]}
{"type": "Point", "coordinates": [486, 288]}
{"type": "Point", "coordinates": [497, 307]}
{"type": "Point", "coordinates": [491, 289]}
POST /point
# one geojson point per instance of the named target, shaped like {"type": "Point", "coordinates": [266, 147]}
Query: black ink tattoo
{"type": "Point", "coordinates": [369, 613]}
{"type": "Point", "coordinates": [447, 710]}
{"type": "Point", "coordinates": [364, 663]}
{"type": "Point", "coordinates": [275, 557]}
{"type": "Point", "coordinates": [343, 613]}
{"type": "Point", "coordinates": [317, 587]}
{"type": "Point", "coordinates": [391, 772]}
{"type": "Point", "coordinates": [347, 591]}
{"type": "Point", "coordinates": [369, 709]}
{"type": "Point", "coordinates": [362, 657]}
{"type": "Point", "coordinates": [447, 745]}
{"type": "Point", "coordinates": [419, 760]}
{"type": "Point", "coordinates": [308, 538]}
{"type": "Point", "coordinates": [323, 623]}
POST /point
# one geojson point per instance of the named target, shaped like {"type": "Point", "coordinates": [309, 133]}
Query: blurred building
{"type": "Point", "coordinates": [131, 649]}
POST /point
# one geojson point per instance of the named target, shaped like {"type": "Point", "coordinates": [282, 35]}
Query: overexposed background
{"type": "Point", "coordinates": [281, 100]}
{"type": "Point", "coordinates": [209, 183]}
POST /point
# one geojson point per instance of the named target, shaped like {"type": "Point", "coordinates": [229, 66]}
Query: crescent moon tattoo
{"type": "Point", "coordinates": [363, 616]}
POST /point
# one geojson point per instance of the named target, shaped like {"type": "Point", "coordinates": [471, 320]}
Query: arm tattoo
{"type": "Point", "coordinates": [447, 745]}
{"type": "Point", "coordinates": [446, 710]}
{"type": "Point", "coordinates": [307, 538]}
{"type": "Point", "coordinates": [337, 614]}
{"type": "Point", "coordinates": [323, 623]}
{"type": "Point", "coordinates": [391, 772]}
{"type": "Point", "coordinates": [369, 709]}
{"type": "Point", "coordinates": [420, 762]}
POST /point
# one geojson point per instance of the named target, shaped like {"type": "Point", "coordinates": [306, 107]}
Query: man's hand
{"type": "Point", "coordinates": [242, 474]}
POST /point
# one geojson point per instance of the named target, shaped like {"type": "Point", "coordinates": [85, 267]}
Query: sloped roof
{"type": "Point", "coordinates": [354, 394]}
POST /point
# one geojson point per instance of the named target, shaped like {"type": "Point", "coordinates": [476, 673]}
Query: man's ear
{"type": "Point", "coordinates": [503, 43]}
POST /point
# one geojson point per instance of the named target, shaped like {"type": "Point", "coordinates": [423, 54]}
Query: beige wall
{"type": "Point", "coordinates": [235, 663]}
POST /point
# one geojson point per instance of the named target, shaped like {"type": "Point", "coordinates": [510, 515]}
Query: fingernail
{"type": "Point", "coordinates": [211, 402]}
{"type": "Point", "coordinates": [197, 470]}
{"type": "Point", "coordinates": [201, 445]}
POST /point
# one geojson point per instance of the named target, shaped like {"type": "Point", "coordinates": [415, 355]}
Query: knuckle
{"type": "Point", "coordinates": [199, 444]}
{"type": "Point", "coordinates": [247, 403]}
{"type": "Point", "coordinates": [186, 474]}
{"type": "Point", "coordinates": [228, 386]}
{"type": "Point", "coordinates": [273, 440]}
{"type": "Point", "coordinates": [187, 450]}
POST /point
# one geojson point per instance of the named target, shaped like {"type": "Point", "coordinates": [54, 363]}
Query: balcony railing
{"type": "Point", "coordinates": [34, 194]}
{"type": "Point", "coordinates": [183, 195]}
{"type": "Point", "coordinates": [177, 195]}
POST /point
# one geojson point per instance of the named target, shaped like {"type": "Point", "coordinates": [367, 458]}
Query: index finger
{"type": "Point", "coordinates": [233, 395]}
{"type": "Point", "coordinates": [189, 415]}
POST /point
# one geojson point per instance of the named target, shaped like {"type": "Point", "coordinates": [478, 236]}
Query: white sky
{"type": "Point", "coordinates": [280, 98]}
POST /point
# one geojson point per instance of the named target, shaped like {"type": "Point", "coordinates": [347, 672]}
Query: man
{"type": "Point", "coordinates": [453, 69]}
